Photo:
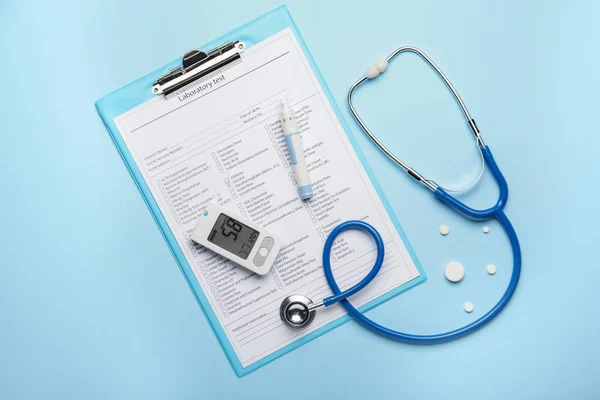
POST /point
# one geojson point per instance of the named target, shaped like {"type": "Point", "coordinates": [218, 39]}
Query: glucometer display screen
{"type": "Point", "coordinates": [233, 236]}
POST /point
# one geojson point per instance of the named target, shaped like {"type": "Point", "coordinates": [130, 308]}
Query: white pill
{"type": "Point", "coordinates": [372, 72]}
{"type": "Point", "coordinates": [469, 307]}
{"type": "Point", "coordinates": [491, 269]}
{"type": "Point", "coordinates": [454, 272]}
{"type": "Point", "coordinates": [486, 229]}
{"type": "Point", "coordinates": [381, 65]}
{"type": "Point", "coordinates": [444, 229]}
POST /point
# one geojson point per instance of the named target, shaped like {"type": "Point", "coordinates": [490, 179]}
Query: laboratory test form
{"type": "Point", "coordinates": [221, 140]}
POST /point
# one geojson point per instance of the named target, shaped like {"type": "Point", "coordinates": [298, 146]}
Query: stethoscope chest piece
{"type": "Point", "coordinates": [297, 311]}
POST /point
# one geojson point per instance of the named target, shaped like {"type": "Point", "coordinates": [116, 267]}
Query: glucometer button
{"type": "Point", "coordinates": [263, 251]}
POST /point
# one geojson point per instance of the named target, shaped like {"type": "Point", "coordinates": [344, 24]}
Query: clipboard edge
{"type": "Point", "coordinates": [108, 111]}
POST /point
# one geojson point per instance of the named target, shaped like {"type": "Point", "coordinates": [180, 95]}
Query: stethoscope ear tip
{"type": "Point", "coordinates": [296, 311]}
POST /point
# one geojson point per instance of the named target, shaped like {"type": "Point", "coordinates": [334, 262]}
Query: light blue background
{"type": "Point", "coordinates": [93, 305]}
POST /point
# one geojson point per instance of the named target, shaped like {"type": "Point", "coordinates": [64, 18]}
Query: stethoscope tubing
{"type": "Point", "coordinates": [495, 212]}
{"type": "Point", "coordinates": [352, 224]}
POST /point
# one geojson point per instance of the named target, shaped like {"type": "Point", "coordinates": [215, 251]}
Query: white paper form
{"type": "Point", "coordinates": [221, 140]}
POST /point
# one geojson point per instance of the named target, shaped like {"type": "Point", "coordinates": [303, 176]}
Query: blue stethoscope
{"type": "Point", "coordinates": [298, 311]}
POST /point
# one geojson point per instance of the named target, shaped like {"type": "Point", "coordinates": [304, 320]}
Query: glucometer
{"type": "Point", "coordinates": [236, 239]}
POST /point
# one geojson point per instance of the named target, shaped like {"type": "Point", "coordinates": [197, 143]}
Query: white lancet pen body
{"type": "Point", "coordinates": [293, 140]}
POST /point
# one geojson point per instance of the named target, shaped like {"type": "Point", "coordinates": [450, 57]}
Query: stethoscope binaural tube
{"type": "Point", "coordinates": [378, 69]}
{"type": "Point", "coordinates": [306, 306]}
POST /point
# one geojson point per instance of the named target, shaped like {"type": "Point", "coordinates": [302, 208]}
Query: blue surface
{"type": "Point", "coordinates": [92, 304]}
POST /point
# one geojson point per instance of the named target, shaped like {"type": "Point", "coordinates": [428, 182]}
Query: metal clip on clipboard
{"type": "Point", "coordinates": [196, 64]}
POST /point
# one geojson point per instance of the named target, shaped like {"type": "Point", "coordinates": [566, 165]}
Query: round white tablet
{"type": "Point", "coordinates": [444, 229]}
{"type": "Point", "coordinates": [486, 229]}
{"type": "Point", "coordinates": [491, 269]}
{"type": "Point", "coordinates": [469, 307]}
{"type": "Point", "coordinates": [454, 272]}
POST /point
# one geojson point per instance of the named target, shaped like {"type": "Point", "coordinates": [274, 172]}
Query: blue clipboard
{"type": "Point", "coordinates": [139, 91]}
